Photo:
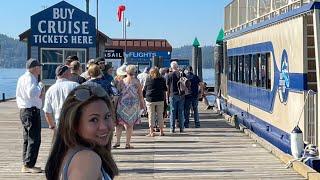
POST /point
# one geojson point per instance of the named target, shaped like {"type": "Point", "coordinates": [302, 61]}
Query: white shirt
{"type": "Point", "coordinates": [56, 95]}
{"type": "Point", "coordinates": [28, 91]}
{"type": "Point", "coordinates": [142, 78]}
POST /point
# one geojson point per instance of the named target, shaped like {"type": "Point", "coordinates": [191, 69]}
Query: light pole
{"type": "Point", "coordinates": [87, 6]}
{"type": "Point", "coordinates": [126, 23]}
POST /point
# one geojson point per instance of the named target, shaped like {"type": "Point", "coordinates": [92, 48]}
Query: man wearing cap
{"type": "Point", "coordinates": [56, 95]}
{"type": "Point", "coordinates": [191, 98]}
{"type": "Point", "coordinates": [28, 97]}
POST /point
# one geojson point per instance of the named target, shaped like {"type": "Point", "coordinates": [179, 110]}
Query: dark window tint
{"type": "Point", "coordinates": [241, 71]}
{"type": "Point", "coordinates": [230, 68]}
{"type": "Point", "coordinates": [255, 70]}
{"type": "Point", "coordinates": [263, 71]}
{"type": "Point", "coordinates": [52, 56]}
{"type": "Point", "coordinates": [235, 68]}
{"type": "Point", "coordinates": [247, 65]}
{"type": "Point", "coordinates": [49, 71]}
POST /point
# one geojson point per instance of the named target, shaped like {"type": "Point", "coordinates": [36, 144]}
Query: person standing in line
{"type": "Point", "coordinates": [96, 76]}
{"type": "Point", "coordinates": [85, 74]}
{"type": "Point", "coordinates": [163, 73]}
{"type": "Point", "coordinates": [56, 95]}
{"type": "Point", "coordinates": [155, 87]}
{"type": "Point", "coordinates": [129, 105]}
{"type": "Point", "coordinates": [191, 98]}
{"type": "Point", "coordinates": [70, 59]}
{"type": "Point", "coordinates": [143, 76]}
{"type": "Point", "coordinates": [75, 68]}
{"type": "Point", "coordinates": [120, 75]}
{"type": "Point", "coordinates": [29, 101]}
{"type": "Point", "coordinates": [108, 73]}
{"type": "Point", "coordinates": [100, 61]}
{"type": "Point", "coordinates": [82, 148]}
{"type": "Point", "coordinates": [175, 99]}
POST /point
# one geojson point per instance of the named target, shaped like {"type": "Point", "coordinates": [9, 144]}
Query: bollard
{"type": "Point", "coordinates": [236, 121]}
{"type": "Point", "coordinates": [3, 97]}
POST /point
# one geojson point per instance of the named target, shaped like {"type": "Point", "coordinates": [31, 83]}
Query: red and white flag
{"type": "Point", "coordinates": [121, 8]}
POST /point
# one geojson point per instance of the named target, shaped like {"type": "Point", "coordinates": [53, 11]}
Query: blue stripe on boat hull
{"type": "Point", "coordinates": [272, 134]}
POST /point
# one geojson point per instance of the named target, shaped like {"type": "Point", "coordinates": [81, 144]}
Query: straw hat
{"type": "Point", "coordinates": [121, 71]}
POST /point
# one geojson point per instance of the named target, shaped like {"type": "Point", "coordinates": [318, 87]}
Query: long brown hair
{"type": "Point", "coordinates": [67, 136]}
{"type": "Point", "coordinates": [154, 73]}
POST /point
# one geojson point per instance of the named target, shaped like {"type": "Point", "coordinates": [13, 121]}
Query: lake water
{"type": "Point", "coordinates": [9, 78]}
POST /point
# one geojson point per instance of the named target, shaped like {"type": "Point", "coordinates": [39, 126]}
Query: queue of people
{"type": "Point", "coordinates": [84, 109]}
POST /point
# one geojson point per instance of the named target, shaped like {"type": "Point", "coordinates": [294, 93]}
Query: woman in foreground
{"type": "Point", "coordinates": [82, 147]}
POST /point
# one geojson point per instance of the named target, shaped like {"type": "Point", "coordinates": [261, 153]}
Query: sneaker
{"type": "Point", "coordinates": [26, 169]}
{"type": "Point", "coordinates": [181, 130]}
{"type": "Point", "coordinates": [171, 130]}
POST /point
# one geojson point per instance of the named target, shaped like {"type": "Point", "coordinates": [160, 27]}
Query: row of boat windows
{"type": "Point", "coordinates": [251, 69]}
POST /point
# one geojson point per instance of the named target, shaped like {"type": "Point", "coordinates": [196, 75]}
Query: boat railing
{"type": "Point", "coordinates": [294, 4]}
{"type": "Point", "coordinates": [310, 116]}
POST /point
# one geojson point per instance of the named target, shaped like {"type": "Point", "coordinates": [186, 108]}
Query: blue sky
{"type": "Point", "coordinates": [178, 21]}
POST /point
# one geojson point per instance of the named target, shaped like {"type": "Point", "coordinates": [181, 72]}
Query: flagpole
{"type": "Point", "coordinates": [124, 37]}
{"type": "Point", "coordinates": [97, 43]}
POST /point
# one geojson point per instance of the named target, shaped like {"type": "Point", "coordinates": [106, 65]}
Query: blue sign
{"type": "Point", "coordinates": [148, 55]}
{"type": "Point", "coordinates": [284, 81]}
{"type": "Point", "coordinates": [63, 26]}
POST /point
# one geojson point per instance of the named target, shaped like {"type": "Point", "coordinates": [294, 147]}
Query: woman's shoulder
{"type": "Point", "coordinates": [85, 163]}
{"type": "Point", "coordinates": [87, 154]}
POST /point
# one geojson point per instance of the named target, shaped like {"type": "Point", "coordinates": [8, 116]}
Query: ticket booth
{"type": "Point", "coordinates": [60, 31]}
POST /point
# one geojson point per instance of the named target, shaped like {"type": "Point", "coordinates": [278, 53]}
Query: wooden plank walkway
{"type": "Point", "coordinates": [214, 151]}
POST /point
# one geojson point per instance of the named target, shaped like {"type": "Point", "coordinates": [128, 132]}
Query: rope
{"type": "Point", "coordinates": [302, 109]}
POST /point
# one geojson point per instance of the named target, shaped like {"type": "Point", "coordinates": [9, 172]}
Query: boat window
{"type": "Point", "coordinates": [255, 70]}
{"type": "Point", "coordinates": [252, 9]}
{"type": "Point", "coordinates": [242, 11]}
{"type": "Point", "coordinates": [235, 68]}
{"type": "Point", "coordinates": [264, 7]}
{"type": "Point", "coordinates": [279, 3]}
{"type": "Point", "coordinates": [234, 14]}
{"type": "Point", "coordinates": [263, 70]}
{"type": "Point", "coordinates": [268, 71]}
{"type": "Point", "coordinates": [230, 68]}
{"type": "Point", "coordinates": [241, 71]}
{"type": "Point", "coordinates": [247, 64]}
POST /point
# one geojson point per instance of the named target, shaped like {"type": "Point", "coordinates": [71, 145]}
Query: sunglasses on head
{"type": "Point", "coordinates": [86, 92]}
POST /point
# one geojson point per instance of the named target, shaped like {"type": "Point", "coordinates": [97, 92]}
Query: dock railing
{"type": "Point", "coordinates": [310, 116]}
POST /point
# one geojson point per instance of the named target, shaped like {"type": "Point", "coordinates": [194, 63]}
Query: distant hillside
{"type": "Point", "coordinates": [13, 53]}
{"type": "Point", "coordinates": [185, 52]}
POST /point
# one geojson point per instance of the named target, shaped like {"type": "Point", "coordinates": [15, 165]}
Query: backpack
{"type": "Point", "coordinates": [184, 86]}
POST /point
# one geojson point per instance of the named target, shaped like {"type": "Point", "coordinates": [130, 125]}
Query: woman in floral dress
{"type": "Point", "coordinates": [129, 105]}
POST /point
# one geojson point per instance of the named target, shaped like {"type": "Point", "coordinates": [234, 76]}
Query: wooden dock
{"type": "Point", "coordinates": [214, 151]}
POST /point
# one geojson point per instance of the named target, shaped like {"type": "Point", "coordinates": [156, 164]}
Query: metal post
{"type": "Point", "coordinates": [125, 39]}
{"type": "Point", "coordinates": [195, 54]}
{"type": "Point", "coordinates": [316, 22]}
{"type": "Point", "coordinates": [199, 63]}
{"type": "Point", "coordinates": [97, 43]}
{"type": "Point", "coordinates": [3, 97]}
{"type": "Point", "coordinates": [87, 6]}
